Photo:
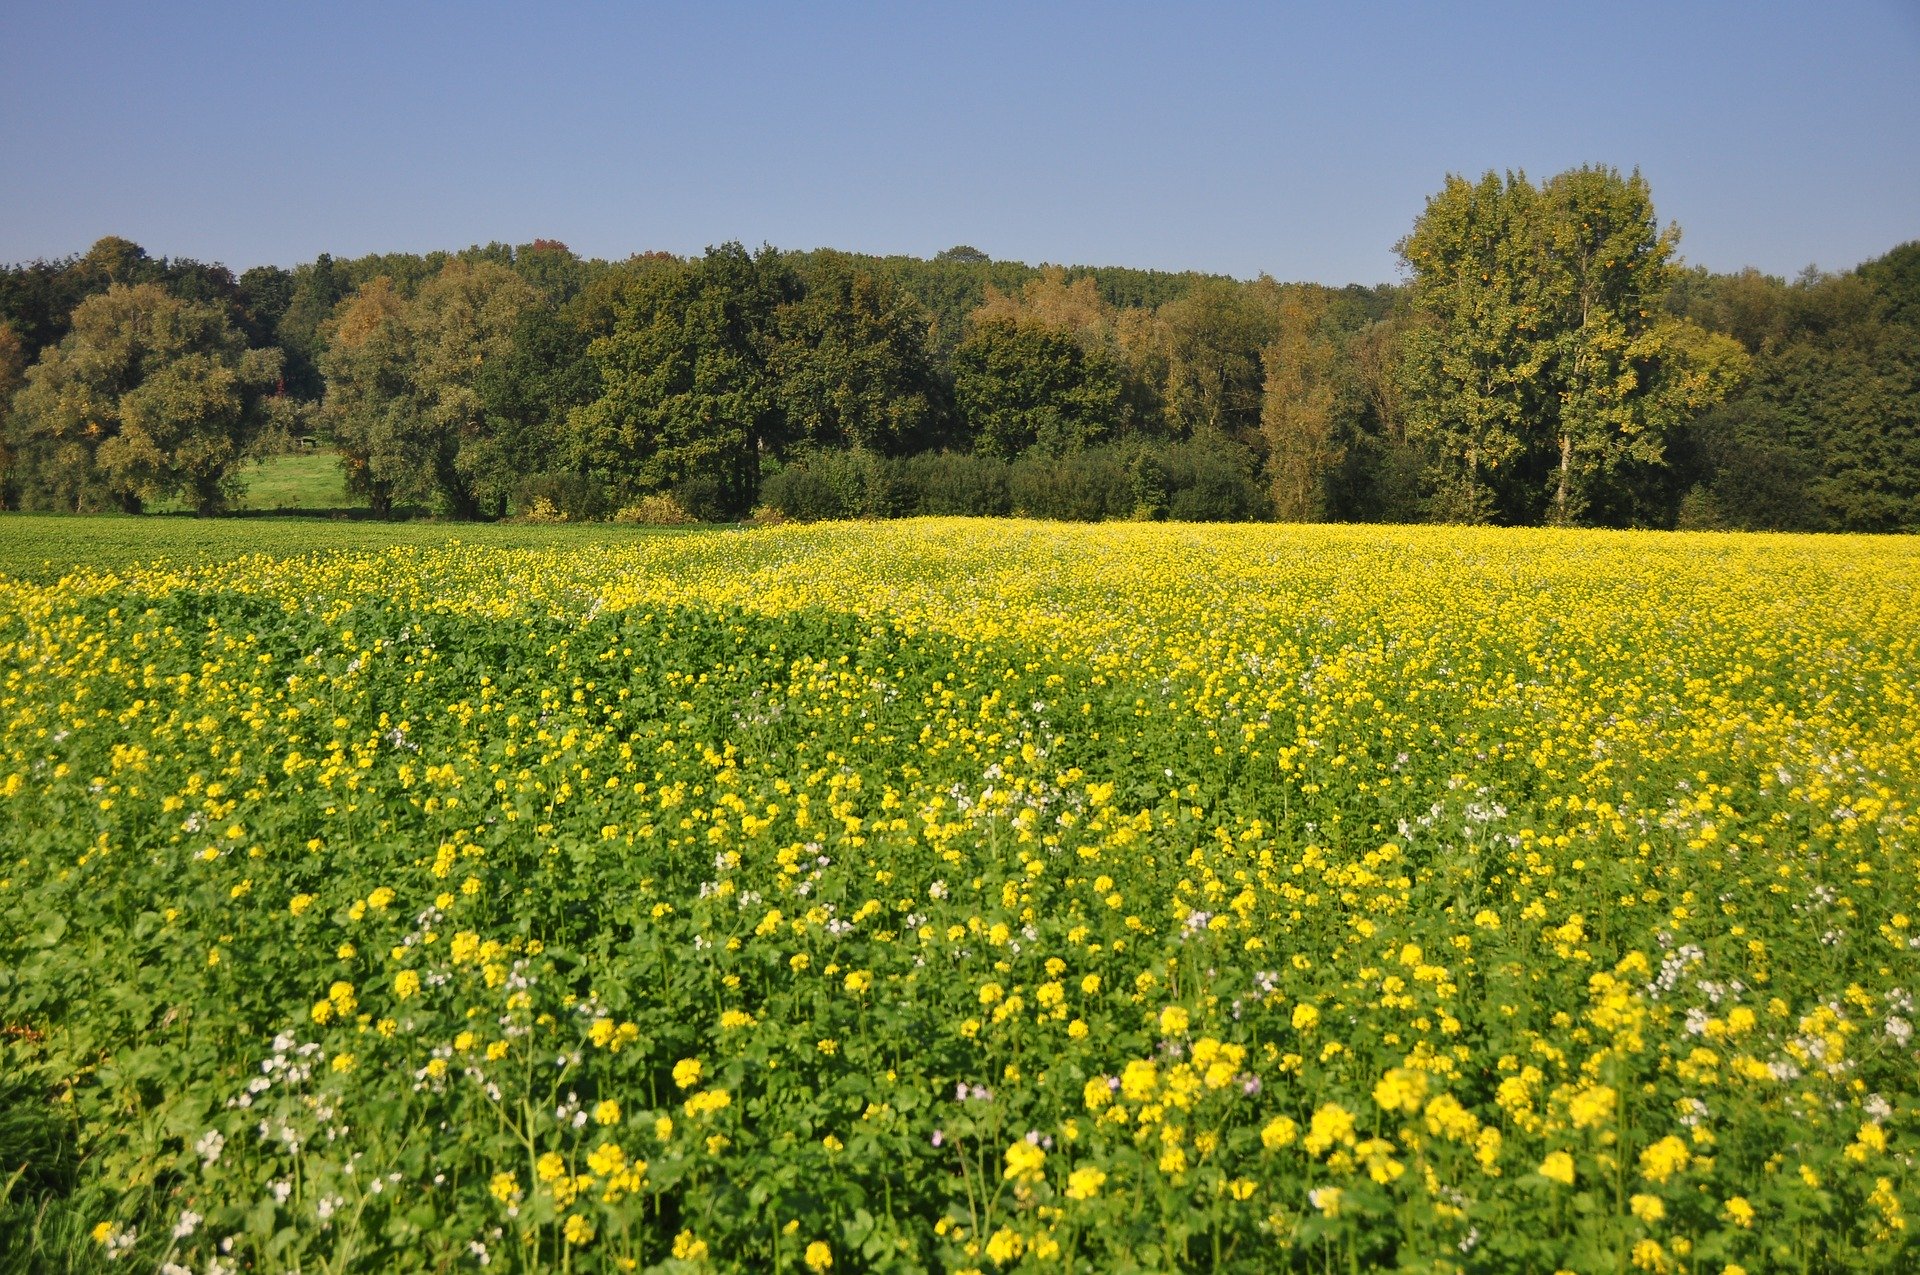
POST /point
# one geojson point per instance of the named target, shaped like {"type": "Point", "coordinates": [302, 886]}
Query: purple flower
{"type": "Point", "coordinates": [939, 1137]}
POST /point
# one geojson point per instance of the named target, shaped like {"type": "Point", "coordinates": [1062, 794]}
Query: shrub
{"type": "Point", "coordinates": [1088, 486]}
{"type": "Point", "coordinates": [954, 484]}
{"type": "Point", "coordinates": [573, 497]}
{"type": "Point", "coordinates": [1212, 480]}
{"type": "Point", "coordinates": [657, 510]}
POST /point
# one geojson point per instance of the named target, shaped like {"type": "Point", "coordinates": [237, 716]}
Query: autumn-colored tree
{"type": "Point", "coordinates": [1297, 415]}
{"type": "Point", "coordinates": [403, 388]}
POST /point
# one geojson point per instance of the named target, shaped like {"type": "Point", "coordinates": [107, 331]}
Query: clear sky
{"type": "Point", "coordinates": [1298, 140]}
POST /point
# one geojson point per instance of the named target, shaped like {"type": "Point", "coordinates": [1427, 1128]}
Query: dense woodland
{"type": "Point", "coordinates": [1549, 360]}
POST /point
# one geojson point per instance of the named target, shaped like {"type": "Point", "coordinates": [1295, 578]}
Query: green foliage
{"type": "Point", "coordinates": [1546, 373]}
{"type": "Point", "coordinates": [1023, 385]}
{"type": "Point", "coordinates": [145, 397]}
{"type": "Point", "coordinates": [687, 402]}
{"type": "Point", "coordinates": [1214, 334]}
{"type": "Point", "coordinates": [852, 365]}
{"type": "Point", "coordinates": [407, 384]}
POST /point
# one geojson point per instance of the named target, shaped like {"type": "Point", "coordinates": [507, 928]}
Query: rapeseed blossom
{"type": "Point", "coordinates": [1358, 891]}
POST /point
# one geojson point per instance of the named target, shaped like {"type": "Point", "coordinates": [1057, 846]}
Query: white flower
{"type": "Point", "coordinates": [209, 1147]}
{"type": "Point", "coordinates": [189, 1223]}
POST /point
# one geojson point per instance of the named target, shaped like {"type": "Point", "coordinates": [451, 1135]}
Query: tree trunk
{"type": "Point", "coordinates": [1560, 495]}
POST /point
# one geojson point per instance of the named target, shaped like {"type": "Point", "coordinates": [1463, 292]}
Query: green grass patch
{"type": "Point", "coordinates": [48, 546]}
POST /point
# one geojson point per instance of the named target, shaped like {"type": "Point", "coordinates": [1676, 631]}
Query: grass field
{"type": "Point", "coordinates": [963, 896]}
{"type": "Point", "coordinates": [47, 546]}
{"type": "Point", "coordinates": [295, 482]}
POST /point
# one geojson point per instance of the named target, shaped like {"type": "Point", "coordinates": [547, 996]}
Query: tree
{"type": "Point", "coordinates": [13, 372]}
{"type": "Point", "coordinates": [1213, 337]}
{"type": "Point", "coordinates": [687, 398]}
{"type": "Point", "coordinates": [1020, 384]}
{"type": "Point", "coordinates": [527, 395]}
{"type": "Point", "coordinates": [1298, 412]}
{"type": "Point", "coordinates": [148, 396]}
{"type": "Point", "coordinates": [1546, 370]}
{"type": "Point", "coordinates": [853, 366]}
{"type": "Point", "coordinates": [403, 395]}
{"type": "Point", "coordinates": [367, 360]}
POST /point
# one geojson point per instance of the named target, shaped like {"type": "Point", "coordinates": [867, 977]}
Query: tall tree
{"type": "Point", "coordinates": [1298, 412]}
{"type": "Point", "coordinates": [687, 397]}
{"type": "Point", "coordinates": [853, 364]}
{"type": "Point", "coordinates": [1213, 337]}
{"type": "Point", "coordinates": [1021, 384]}
{"type": "Point", "coordinates": [148, 396]}
{"type": "Point", "coordinates": [1546, 370]}
{"type": "Point", "coordinates": [403, 382]}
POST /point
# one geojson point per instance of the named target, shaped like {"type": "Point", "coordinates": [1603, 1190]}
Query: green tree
{"type": "Point", "coordinates": [1213, 336]}
{"type": "Point", "coordinates": [1022, 384]}
{"type": "Point", "coordinates": [1546, 370]}
{"type": "Point", "coordinates": [853, 365]}
{"type": "Point", "coordinates": [147, 397]}
{"type": "Point", "coordinates": [1474, 355]}
{"type": "Point", "coordinates": [13, 374]}
{"type": "Point", "coordinates": [687, 399]}
{"type": "Point", "coordinates": [527, 395]}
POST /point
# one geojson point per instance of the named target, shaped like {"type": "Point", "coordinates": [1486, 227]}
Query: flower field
{"type": "Point", "coordinates": [967, 896]}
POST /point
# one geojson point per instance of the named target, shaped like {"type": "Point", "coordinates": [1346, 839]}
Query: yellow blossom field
{"type": "Point", "coordinates": [966, 896]}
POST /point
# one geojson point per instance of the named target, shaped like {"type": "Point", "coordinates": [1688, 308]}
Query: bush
{"type": "Point", "coordinates": [572, 497]}
{"type": "Point", "coordinates": [954, 484]}
{"type": "Point", "coordinates": [1213, 480]}
{"type": "Point", "coordinates": [839, 484]}
{"type": "Point", "coordinates": [707, 499]}
{"type": "Point", "coordinates": [1088, 486]}
{"type": "Point", "coordinates": [657, 510]}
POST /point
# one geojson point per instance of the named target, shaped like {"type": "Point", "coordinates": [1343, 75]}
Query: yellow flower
{"type": "Point", "coordinates": [550, 1167]}
{"type": "Point", "coordinates": [578, 1230]}
{"type": "Point", "coordinates": [607, 1111]}
{"type": "Point", "coordinates": [1740, 1212]}
{"type": "Point", "coordinates": [1173, 1021]}
{"type": "Point", "coordinates": [1592, 1106]}
{"type": "Point", "coordinates": [1331, 1123]}
{"type": "Point", "coordinates": [689, 1249]}
{"type": "Point", "coordinates": [1559, 1167]}
{"type": "Point", "coordinates": [1005, 1246]}
{"type": "Point", "coordinates": [687, 1072]}
{"type": "Point", "coordinates": [819, 1257]}
{"type": "Point", "coordinates": [1085, 1183]}
{"type": "Point", "coordinates": [299, 904]}
{"type": "Point", "coordinates": [406, 983]}
{"type": "Point", "coordinates": [1401, 1089]}
{"type": "Point", "coordinates": [1279, 1132]}
{"type": "Point", "coordinates": [1648, 1208]}
{"type": "Point", "coordinates": [859, 981]}
{"type": "Point", "coordinates": [1025, 1162]}
{"type": "Point", "coordinates": [102, 1232]}
{"type": "Point", "coordinates": [504, 1187]}
{"type": "Point", "coordinates": [1305, 1017]}
{"type": "Point", "coordinates": [708, 1101]}
{"type": "Point", "coordinates": [1664, 1159]}
{"type": "Point", "coordinates": [342, 1063]}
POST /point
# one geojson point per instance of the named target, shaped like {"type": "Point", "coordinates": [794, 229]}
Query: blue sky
{"type": "Point", "coordinates": [1294, 140]}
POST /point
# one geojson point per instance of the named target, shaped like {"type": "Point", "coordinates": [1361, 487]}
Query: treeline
{"type": "Point", "coordinates": [1548, 361]}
